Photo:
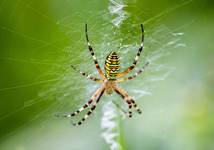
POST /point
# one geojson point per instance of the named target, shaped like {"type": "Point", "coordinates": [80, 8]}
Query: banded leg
{"type": "Point", "coordinates": [135, 75]}
{"type": "Point", "coordinates": [130, 111]}
{"type": "Point", "coordinates": [94, 96]}
{"type": "Point", "coordinates": [91, 110]}
{"type": "Point", "coordinates": [136, 107]}
{"type": "Point", "coordinates": [126, 97]}
{"type": "Point", "coordinates": [130, 68]}
{"type": "Point", "coordinates": [93, 55]}
{"type": "Point", "coordinates": [87, 75]}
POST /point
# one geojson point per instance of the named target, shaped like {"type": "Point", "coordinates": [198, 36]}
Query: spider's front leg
{"type": "Point", "coordinates": [93, 55]}
{"type": "Point", "coordinates": [130, 68]}
{"type": "Point", "coordinates": [128, 99]}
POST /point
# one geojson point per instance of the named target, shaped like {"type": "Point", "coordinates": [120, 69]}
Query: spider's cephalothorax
{"type": "Point", "coordinates": [112, 66]}
{"type": "Point", "coordinates": [110, 80]}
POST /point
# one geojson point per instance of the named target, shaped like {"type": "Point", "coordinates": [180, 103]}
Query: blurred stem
{"type": "Point", "coordinates": [120, 131]}
{"type": "Point", "coordinates": [112, 127]}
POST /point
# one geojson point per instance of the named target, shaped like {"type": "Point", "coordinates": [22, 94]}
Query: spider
{"type": "Point", "coordinates": [109, 80]}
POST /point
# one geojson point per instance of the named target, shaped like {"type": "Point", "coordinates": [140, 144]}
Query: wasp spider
{"type": "Point", "coordinates": [109, 80]}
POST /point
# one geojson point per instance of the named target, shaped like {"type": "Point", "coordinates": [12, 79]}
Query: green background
{"type": "Point", "coordinates": [40, 39]}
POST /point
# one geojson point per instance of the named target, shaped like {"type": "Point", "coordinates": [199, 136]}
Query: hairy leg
{"type": "Point", "coordinates": [91, 110]}
{"type": "Point", "coordinates": [127, 98]}
{"type": "Point", "coordinates": [87, 75]}
{"type": "Point", "coordinates": [93, 55]}
{"type": "Point", "coordinates": [130, 68]}
{"type": "Point", "coordinates": [94, 96]}
{"type": "Point", "coordinates": [135, 75]}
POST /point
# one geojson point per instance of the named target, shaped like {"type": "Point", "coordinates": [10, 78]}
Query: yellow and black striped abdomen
{"type": "Point", "coordinates": [112, 66]}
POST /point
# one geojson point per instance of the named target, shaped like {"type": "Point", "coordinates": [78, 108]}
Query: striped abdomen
{"type": "Point", "coordinates": [112, 66]}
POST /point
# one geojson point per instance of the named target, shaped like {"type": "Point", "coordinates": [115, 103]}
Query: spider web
{"type": "Point", "coordinates": [111, 29]}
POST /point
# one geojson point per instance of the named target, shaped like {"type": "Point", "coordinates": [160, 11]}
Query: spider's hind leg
{"type": "Point", "coordinates": [136, 107]}
{"type": "Point", "coordinates": [128, 99]}
{"type": "Point", "coordinates": [85, 106]}
{"type": "Point", "coordinates": [91, 110]}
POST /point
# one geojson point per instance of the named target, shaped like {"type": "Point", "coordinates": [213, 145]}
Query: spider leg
{"type": "Point", "coordinates": [135, 75]}
{"type": "Point", "coordinates": [88, 76]}
{"type": "Point", "coordinates": [136, 57]}
{"type": "Point", "coordinates": [94, 96]}
{"type": "Point", "coordinates": [128, 99]}
{"type": "Point", "coordinates": [93, 55]}
{"type": "Point", "coordinates": [136, 107]}
{"type": "Point", "coordinates": [91, 110]}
